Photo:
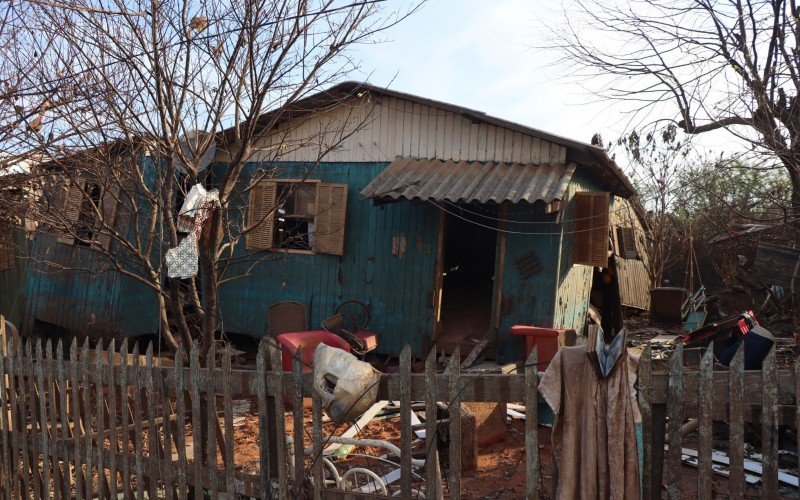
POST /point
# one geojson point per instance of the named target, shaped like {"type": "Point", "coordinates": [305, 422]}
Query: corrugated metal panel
{"type": "Point", "coordinates": [632, 275]}
{"type": "Point", "coordinates": [470, 181]}
{"type": "Point", "coordinates": [369, 131]}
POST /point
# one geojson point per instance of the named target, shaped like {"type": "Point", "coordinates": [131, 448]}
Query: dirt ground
{"type": "Point", "coordinates": [500, 471]}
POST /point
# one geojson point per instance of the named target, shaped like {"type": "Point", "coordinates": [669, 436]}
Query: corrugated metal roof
{"type": "Point", "coordinates": [470, 181]}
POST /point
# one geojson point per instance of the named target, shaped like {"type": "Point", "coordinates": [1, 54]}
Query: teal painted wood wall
{"type": "Point", "coordinates": [74, 288]}
{"type": "Point", "coordinates": [558, 296]}
{"type": "Point", "coordinates": [395, 287]}
{"type": "Point", "coordinates": [85, 297]}
{"type": "Point", "coordinates": [12, 281]}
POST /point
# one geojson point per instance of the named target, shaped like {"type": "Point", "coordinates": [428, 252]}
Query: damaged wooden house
{"type": "Point", "coordinates": [450, 225]}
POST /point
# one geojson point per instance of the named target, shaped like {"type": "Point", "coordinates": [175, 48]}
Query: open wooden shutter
{"type": "Point", "coordinates": [590, 238]}
{"type": "Point", "coordinates": [627, 243]}
{"type": "Point", "coordinates": [330, 220]}
{"type": "Point", "coordinates": [260, 211]}
{"type": "Point", "coordinates": [71, 200]}
{"type": "Point", "coordinates": [108, 207]}
{"type": "Point", "coordinates": [6, 249]}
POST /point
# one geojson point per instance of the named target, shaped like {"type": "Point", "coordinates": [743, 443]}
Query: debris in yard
{"type": "Point", "coordinates": [757, 344]}
{"type": "Point", "coordinates": [362, 421]}
{"type": "Point", "coordinates": [347, 386]}
{"type": "Point", "coordinates": [753, 469]}
{"type": "Point", "coordinates": [490, 421]}
{"type": "Point", "coordinates": [694, 310]}
{"type": "Point", "coordinates": [724, 333]}
{"type": "Point", "coordinates": [666, 304]}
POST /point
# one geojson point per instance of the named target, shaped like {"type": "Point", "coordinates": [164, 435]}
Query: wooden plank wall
{"type": "Point", "coordinates": [394, 285]}
{"type": "Point", "coordinates": [380, 129]}
{"type": "Point", "coordinates": [571, 300]}
{"type": "Point", "coordinates": [634, 281]}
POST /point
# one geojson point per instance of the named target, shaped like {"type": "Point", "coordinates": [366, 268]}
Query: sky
{"type": "Point", "coordinates": [486, 55]}
{"type": "Point", "coordinates": [483, 54]}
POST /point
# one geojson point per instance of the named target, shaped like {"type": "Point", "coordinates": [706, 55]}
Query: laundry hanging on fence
{"type": "Point", "coordinates": [594, 434]}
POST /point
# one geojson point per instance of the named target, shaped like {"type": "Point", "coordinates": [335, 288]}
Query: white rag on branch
{"type": "Point", "coordinates": [196, 210]}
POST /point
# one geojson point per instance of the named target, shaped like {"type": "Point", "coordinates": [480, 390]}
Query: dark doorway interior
{"type": "Point", "coordinates": [605, 299]}
{"type": "Point", "coordinates": [468, 281]}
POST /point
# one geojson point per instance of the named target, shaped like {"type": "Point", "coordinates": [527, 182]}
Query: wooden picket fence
{"type": "Point", "coordinates": [81, 422]}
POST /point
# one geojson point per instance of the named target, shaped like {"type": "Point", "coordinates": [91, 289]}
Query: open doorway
{"type": "Point", "coordinates": [605, 301]}
{"type": "Point", "coordinates": [468, 277]}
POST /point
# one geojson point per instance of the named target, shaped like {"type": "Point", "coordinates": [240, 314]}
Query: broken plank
{"type": "Point", "coordinates": [338, 449]}
{"type": "Point", "coordinates": [722, 458]}
{"type": "Point", "coordinates": [716, 468]}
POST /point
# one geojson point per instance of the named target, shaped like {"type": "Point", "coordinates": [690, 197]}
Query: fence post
{"type": "Point", "coordinates": [454, 371]}
{"type": "Point", "coordinates": [113, 435]}
{"type": "Point", "coordinates": [230, 465]}
{"type": "Point", "coordinates": [316, 444]}
{"type": "Point", "coordinates": [531, 426]}
{"type": "Point", "coordinates": [705, 399]}
{"type": "Point", "coordinates": [277, 420]}
{"type": "Point", "coordinates": [736, 424]}
{"type": "Point", "coordinates": [180, 416]}
{"type": "Point", "coordinates": [197, 427]}
{"type": "Point", "coordinates": [769, 429]}
{"type": "Point", "coordinates": [405, 422]}
{"type": "Point", "coordinates": [645, 393]}
{"type": "Point", "coordinates": [212, 423]}
{"type": "Point", "coordinates": [433, 477]}
{"type": "Point", "coordinates": [102, 485]}
{"type": "Point", "coordinates": [265, 446]}
{"type": "Point", "coordinates": [6, 475]}
{"type": "Point", "coordinates": [675, 413]}
{"type": "Point", "coordinates": [124, 379]}
{"type": "Point", "coordinates": [169, 429]}
{"type": "Point", "coordinates": [86, 411]}
{"type": "Point", "coordinates": [299, 452]}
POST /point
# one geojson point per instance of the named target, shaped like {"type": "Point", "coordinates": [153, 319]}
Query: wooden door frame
{"type": "Point", "coordinates": [499, 266]}
{"type": "Point", "coordinates": [438, 278]}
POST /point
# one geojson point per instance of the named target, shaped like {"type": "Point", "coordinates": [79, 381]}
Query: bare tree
{"type": "Point", "coordinates": [143, 91]}
{"type": "Point", "coordinates": [700, 65]}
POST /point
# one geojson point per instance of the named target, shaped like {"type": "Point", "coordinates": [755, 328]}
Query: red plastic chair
{"type": "Point", "coordinates": [291, 342]}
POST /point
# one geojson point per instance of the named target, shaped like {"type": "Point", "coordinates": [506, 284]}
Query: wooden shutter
{"type": "Point", "coordinates": [627, 243]}
{"type": "Point", "coordinates": [6, 249]}
{"type": "Point", "coordinates": [71, 200]}
{"type": "Point", "coordinates": [261, 212]}
{"type": "Point", "coordinates": [590, 239]}
{"type": "Point", "coordinates": [330, 220]}
{"type": "Point", "coordinates": [108, 207]}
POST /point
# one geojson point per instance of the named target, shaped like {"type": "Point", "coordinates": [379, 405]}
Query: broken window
{"type": "Point", "coordinates": [626, 243]}
{"type": "Point", "coordinates": [293, 215]}
{"type": "Point", "coordinates": [88, 207]}
{"type": "Point", "coordinates": [590, 230]}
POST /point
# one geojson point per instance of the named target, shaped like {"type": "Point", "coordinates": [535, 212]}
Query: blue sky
{"type": "Point", "coordinates": [481, 54]}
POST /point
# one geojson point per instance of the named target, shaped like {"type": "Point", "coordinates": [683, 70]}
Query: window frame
{"type": "Point", "coordinates": [278, 182]}
{"type": "Point", "coordinates": [330, 211]}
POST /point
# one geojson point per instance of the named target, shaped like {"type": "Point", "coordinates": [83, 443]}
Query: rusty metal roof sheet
{"type": "Point", "coordinates": [470, 181]}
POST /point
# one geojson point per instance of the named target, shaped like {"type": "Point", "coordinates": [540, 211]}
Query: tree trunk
{"type": "Point", "coordinates": [209, 242]}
